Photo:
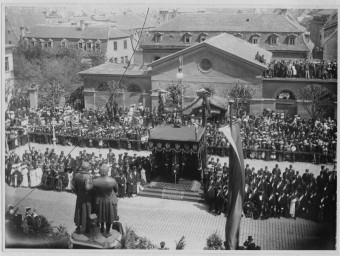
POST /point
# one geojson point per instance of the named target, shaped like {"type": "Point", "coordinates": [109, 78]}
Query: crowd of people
{"type": "Point", "coordinates": [51, 171]}
{"type": "Point", "coordinates": [275, 193]}
{"type": "Point", "coordinates": [301, 69]}
{"type": "Point", "coordinates": [271, 136]}
{"type": "Point", "coordinates": [274, 137]}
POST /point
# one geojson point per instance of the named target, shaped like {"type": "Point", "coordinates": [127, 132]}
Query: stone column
{"type": "Point", "coordinates": [33, 95]}
{"type": "Point", "coordinates": [144, 97]}
{"type": "Point", "coordinates": [89, 99]}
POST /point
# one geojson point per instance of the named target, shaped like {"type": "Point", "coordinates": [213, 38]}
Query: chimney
{"type": "Point", "coordinates": [22, 33]}
{"type": "Point", "coordinates": [82, 25]}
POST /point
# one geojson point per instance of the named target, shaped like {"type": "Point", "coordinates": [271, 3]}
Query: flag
{"type": "Point", "coordinates": [236, 185]}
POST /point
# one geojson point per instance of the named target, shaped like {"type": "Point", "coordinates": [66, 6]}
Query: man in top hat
{"type": "Point", "coordinates": [83, 185]}
{"type": "Point", "coordinates": [249, 244]}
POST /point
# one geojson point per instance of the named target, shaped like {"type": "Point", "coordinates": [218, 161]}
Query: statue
{"type": "Point", "coordinates": [83, 185]}
{"type": "Point", "coordinates": [106, 200]}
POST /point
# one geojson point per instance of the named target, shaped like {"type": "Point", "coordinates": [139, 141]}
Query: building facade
{"type": "Point", "coordinates": [97, 80]}
{"type": "Point", "coordinates": [277, 33]}
{"type": "Point", "coordinates": [8, 72]}
{"type": "Point", "coordinates": [88, 37]}
{"type": "Point", "coordinates": [219, 62]}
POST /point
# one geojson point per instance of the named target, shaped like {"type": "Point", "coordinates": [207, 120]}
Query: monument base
{"type": "Point", "coordinates": [96, 240]}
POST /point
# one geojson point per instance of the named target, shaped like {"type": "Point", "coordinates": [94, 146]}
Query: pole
{"type": "Point", "coordinates": [54, 138]}
{"type": "Point", "coordinates": [124, 98]}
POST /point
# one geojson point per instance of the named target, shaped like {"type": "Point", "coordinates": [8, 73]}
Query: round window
{"type": "Point", "coordinates": [205, 65]}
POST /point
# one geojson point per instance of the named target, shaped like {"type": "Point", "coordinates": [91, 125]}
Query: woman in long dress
{"type": "Point", "coordinates": [70, 178]}
{"type": "Point", "coordinates": [24, 172]}
{"type": "Point", "coordinates": [33, 180]}
{"type": "Point", "coordinates": [38, 174]}
{"type": "Point", "coordinates": [293, 201]}
{"type": "Point", "coordinates": [143, 176]}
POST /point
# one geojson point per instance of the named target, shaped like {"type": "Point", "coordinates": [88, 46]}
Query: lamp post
{"type": "Point", "coordinates": [53, 130]}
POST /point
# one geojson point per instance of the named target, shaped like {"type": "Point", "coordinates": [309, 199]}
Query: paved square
{"type": "Point", "coordinates": [169, 220]}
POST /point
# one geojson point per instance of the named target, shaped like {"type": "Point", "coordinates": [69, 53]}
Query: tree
{"type": "Point", "coordinates": [240, 94]}
{"type": "Point", "coordinates": [49, 66]}
{"type": "Point", "coordinates": [160, 104]}
{"type": "Point", "coordinates": [317, 100]}
{"type": "Point", "coordinates": [175, 94]}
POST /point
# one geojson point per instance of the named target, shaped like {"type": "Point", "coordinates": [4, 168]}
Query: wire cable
{"type": "Point", "coordinates": [120, 79]}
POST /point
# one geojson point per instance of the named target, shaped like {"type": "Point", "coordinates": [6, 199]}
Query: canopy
{"type": "Point", "coordinates": [181, 134]}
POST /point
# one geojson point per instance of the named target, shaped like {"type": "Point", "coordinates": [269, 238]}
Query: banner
{"type": "Point", "coordinates": [236, 185]}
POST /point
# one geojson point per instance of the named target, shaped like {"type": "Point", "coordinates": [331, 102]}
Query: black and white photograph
{"type": "Point", "coordinates": [153, 128]}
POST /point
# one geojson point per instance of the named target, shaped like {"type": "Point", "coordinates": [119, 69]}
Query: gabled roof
{"type": "Point", "coordinates": [228, 44]}
{"type": "Point", "coordinates": [332, 20]}
{"type": "Point", "coordinates": [110, 69]}
{"type": "Point", "coordinates": [231, 23]}
{"type": "Point", "coordinates": [309, 43]}
{"type": "Point", "coordinates": [335, 32]}
{"type": "Point", "coordinates": [71, 32]}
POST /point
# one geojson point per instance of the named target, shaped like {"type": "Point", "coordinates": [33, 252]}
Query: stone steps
{"type": "Point", "coordinates": [172, 194]}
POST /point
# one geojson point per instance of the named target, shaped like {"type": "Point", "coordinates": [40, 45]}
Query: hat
{"type": "Point", "coordinates": [86, 166]}
{"type": "Point", "coordinates": [250, 238]}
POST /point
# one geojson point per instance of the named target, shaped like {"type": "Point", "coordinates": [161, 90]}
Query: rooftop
{"type": "Point", "coordinates": [67, 31]}
{"type": "Point", "coordinates": [114, 69]}
{"type": "Point", "coordinates": [181, 134]}
{"type": "Point", "coordinates": [231, 22]}
{"type": "Point", "coordinates": [332, 20]}
{"type": "Point", "coordinates": [230, 45]}
{"type": "Point", "coordinates": [124, 21]}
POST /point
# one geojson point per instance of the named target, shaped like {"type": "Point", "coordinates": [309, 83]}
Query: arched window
{"type": "Point", "coordinates": [133, 88]}
{"type": "Point", "coordinates": [286, 95]}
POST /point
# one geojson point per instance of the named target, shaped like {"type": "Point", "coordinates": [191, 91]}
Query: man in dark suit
{"type": "Point", "coordinates": [129, 184]}
{"type": "Point", "coordinates": [83, 185]}
{"type": "Point", "coordinates": [276, 171]}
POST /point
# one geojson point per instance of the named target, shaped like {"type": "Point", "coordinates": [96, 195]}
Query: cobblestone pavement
{"type": "Point", "coordinates": [169, 220]}
{"type": "Point", "coordinates": [298, 166]}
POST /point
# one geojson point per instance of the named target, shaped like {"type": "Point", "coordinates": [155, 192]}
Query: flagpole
{"type": "Point", "coordinates": [230, 113]}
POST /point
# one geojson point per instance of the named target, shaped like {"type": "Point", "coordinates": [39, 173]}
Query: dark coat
{"type": "Point", "coordinates": [106, 199]}
{"type": "Point", "coordinates": [83, 185]}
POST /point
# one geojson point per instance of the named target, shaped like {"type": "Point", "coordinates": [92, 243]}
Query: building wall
{"type": "Point", "coordinates": [225, 73]}
{"type": "Point", "coordinates": [105, 44]}
{"type": "Point", "coordinates": [9, 74]}
{"type": "Point", "coordinates": [330, 49]}
{"type": "Point", "coordinates": [284, 55]}
{"type": "Point", "coordinates": [120, 52]}
{"type": "Point", "coordinates": [272, 87]}
{"type": "Point", "coordinates": [94, 99]}
{"type": "Point", "coordinates": [149, 55]}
